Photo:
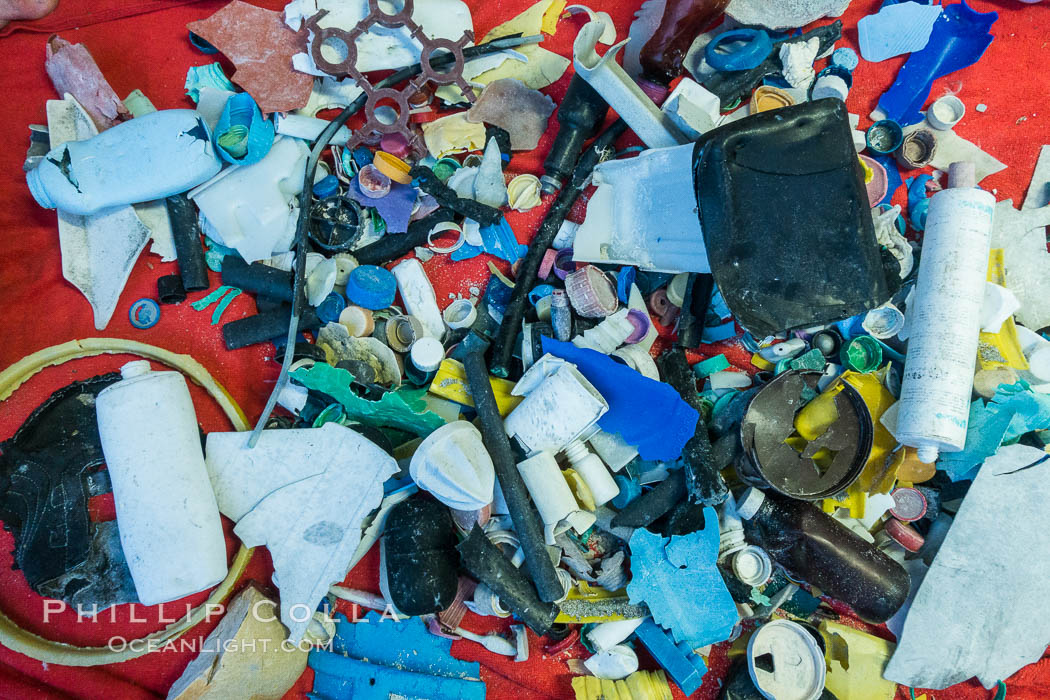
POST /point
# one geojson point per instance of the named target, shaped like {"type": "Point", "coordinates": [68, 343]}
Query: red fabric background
{"type": "Point", "coordinates": [142, 44]}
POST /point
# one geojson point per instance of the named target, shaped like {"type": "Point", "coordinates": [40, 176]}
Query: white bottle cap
{"type": "Point", "coordinates": [426, 354]}
{"type": "Point", "coordinates": [752, 565]}
{"type": "Point", "coordinates": [749, 503]}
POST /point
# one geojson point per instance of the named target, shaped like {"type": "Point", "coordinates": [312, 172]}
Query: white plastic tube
{"type": "Point", "coordinates": [553, 497]}
{"type": "Point", "coordinates": [945, 321]}
{"type": "Point", "coordinates": [166, 511]}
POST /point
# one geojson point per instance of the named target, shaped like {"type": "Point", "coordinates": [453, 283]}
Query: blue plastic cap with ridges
{"type": "Point", "coordinates": [371, 287]}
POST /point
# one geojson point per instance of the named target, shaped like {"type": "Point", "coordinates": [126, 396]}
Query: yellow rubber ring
{"type": "Point", "coordinates": [36, 647]}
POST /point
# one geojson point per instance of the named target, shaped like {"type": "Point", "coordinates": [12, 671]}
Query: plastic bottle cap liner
{"type": "Point", "coordinates": [547, 263]}
{"type": "Point", "coordinates": [641, 322]}
{"type": "Point", "coordinates": [331, 309]}
{"type": "Point", "coordinates": [372, 182]}
{"type": "Point", "coordinates": [441, 228]}
{"type": "Point", "coordinates": [877, 185]}
{"type": "Point", "coordinates": [884, 136]}
{"type": "Point", "coordinates": [624, 280]}
{"type": "Point", "coordinates": [798, 668]}
{"type": "Point", "coordinates": [909, 504]}
{"type": "Point", "coordinates": [591, 293]}
{"type": "Point", "coordinates": [371, 287]}
{"type": "Point", "coordinates": [144, 313]}
{"type": "Point", "coordinates": [738, 49]}
{"type": "Point", "coordinates": [749, 503]}
{"type": "Point", "coordinates": [676, 289]}
{"type": "Point", "coordinates": [445, 167]}
{"type": "Point", "coordinates": [395, 144]}
{"type": "Point", "coordinates": [326, 186]}
{"type": "Point", "coordinates": [752, 565]}
{"type": "Point", "coordinates": [946, 112]}
{"type": "Point", "coordinates": [884, 322]}
{"type": "Point", "coordinates": [767, 97]}
{"type": "Point", "coordinates": [460, 314]}
{"type": "Point", "coordinates": [563, 264]}
{"type": "Point", "coordinates": [828, 342]}
{"type": "Point", "coordinates": [845, 57]}
{"type": "Point", "coordinates": [862, 354]}
{"type": "Point", "coordinates": [427, 354]}
{"type": "Point", "coordinates": [393, 167]}
{"type": "Point", "coordinates": [472, 161]}
{"type": "Point", "coordinates": [358, 321]}
{"type": "Point", "coordinates": [904, 535]}
{"type": "Point", "coordinates": [917, 149]}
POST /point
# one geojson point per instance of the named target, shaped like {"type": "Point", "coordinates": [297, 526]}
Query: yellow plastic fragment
{"type": "Point", "coordinates": [881, 470]}
{"type": "Point", "coordinates": [450, 383]}
{"type": "Point", "coordinates": [640, 685]}
{"type": "Point", "coordinates": [453, 134]}
{"type": "Point", "coordinates": [855, 661]}
{"type": "Point", "coordinates": [762, 363]}
{"type": "Point", "coordinates": [587, 593]}
{"type": "Point", "coordinates": [580, 489]}
{"type": "Point", "coordinates": [1002, 349]}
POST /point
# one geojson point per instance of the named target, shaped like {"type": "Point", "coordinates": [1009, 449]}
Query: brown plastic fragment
{"type": "Point", "coordinates": [72, 70]}
{"type": "Point", "coordinates": [260, 46]}
{"type": "Point", "coordinates": [509, 104]}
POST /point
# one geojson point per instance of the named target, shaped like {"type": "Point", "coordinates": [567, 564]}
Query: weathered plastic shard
{"type": "Point", "coordinates": [404, 409]}
{"type": "Point", "coordinates": [453, 134]}
{"type": "Point", "coordinates": [453, 465]}
{"type": "Point", "coordinates": [234, 661]}
{"type": "Point", "coordinates": [509, 104]}
{"type": "Point", "coordinates": [679, 581]}
{"type": "Point", "coordinates": [48, 471]}
{"type": "Point", "coordinates": [490, 187]}
{"type": "Point", "coordinates": [896, 30]}
{"type": "Point", "coordinates": [644, 213]}
{"type": "Point", "coordinates": [378, 49]}
{"type": "Point", "coordinates": [952, 148]}
{"type": "Point", "coordinates": [98, 250]}
{"type": "Point", "coordinates": [959, 38]}
{"type": "Point", "coordinates": [336, 338]}
{"type": "Point", "coordinates": [969, 617]}
{"type": "Point", "coordinates": [304, 494]}
{"type": "Point", "coordinates": [72, 70]}
{"type": "Point", "coordinates": [855, 663]}
{"type": "Point", "coordinates": [784, 14]}
{"type": "Point", "coordinates": [329, 93]}
{"type": "Point", "coordinates": [260, 46]}
{"type": "Point", "coordinates": [403, 659]}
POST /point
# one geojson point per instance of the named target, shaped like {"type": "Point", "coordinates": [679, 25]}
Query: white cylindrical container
{"type": "Point", "coordinates": [149, 157]}
{"type": "Point", "coordinates": [593, 470]}
{"type": "Point", "coordinates": [166, 511]}
{"type": "Point", "coordinates": [944, 319]}
{"type": "Point", "coordinates": [553, 497]}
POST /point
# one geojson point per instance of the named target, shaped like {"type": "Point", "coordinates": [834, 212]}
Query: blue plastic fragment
{"type": "Point", "coordinates": [896, 30]}
{"type": "Point", "coordinates": [679, 581]}
{"type": "Point", "coordinates": [630, 489]}
{"type": "Point", "coordinates": [685, 668]}
{"type": "Point", "coordinates": [918, 201]}
{"type": "Point", "coordinates": [330, 307]}
{"type": "Point", "coordinates": [371, 287]}
{"type": "Point", "coordinates": [646, 413]}
{"type": "Point", "coordinates": [624, 280]}
{"type": "Point", "coordinates": [395, 207]}
{"type": "Point", "coordinates": [752, 47]}
{"type": "Point", "coordinates": [893, 175]}
{"type": "Point", "coordinates": [377, 658]}
{"type": "Point", "coordinates": [959, 38]}
{"type": "Point", "coordinates": [497, 239]}
{"type": "Point", "coordinates": [1012, 412]}
{"type": "Point", "coordinates": [845, 57]}
{"type": "Point", "coordinates": [242, 115]}
{"type": "Point", "coordinates": [202, 45]}
{"type": "Point", "coordinates": [211, 76]}
{"type": "Point", "coordinates": [326, 186]}
{"type": "Point", "coordinates": [539, 292]}
{"type": "Point", "coordinates": [725, 327]}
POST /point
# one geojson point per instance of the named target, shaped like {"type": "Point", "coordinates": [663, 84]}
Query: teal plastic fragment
{"type": "Point", "coordinates": [210, 75]}
{"type": "Point", "coordinates": [814, 359]}
{"type": "Point", "coordinates": [223, 303]}
{"type": "Point", "coordinates": [224, 295]}
{"type": "Point", "coordinates": [705, 368]}
{"type": "Point", "coordinates": [685, 667]}
{"type": "Point", "coordinates": [242, 136]}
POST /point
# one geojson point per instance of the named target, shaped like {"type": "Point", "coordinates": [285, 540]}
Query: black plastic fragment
{"type": "Point", "coordinates": [447, 197]}
{"type": "Point", "coordinates": [170, 289]}
{"type": "Point", "coordinates": [186, 234]}
{"type": "Point", "coordinates": [393, 247]}
{"type": "Point", "coordinates": [419, 557]}
{"type": "Point", "coordinates": [264, 327]}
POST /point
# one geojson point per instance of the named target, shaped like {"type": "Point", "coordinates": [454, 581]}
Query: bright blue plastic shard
{"type": "Point", "coordinates": [685, 668]}
{"type": "Point", "coordinates": [959, 39]}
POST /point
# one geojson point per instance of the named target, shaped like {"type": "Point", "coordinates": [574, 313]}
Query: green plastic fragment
{"type": "Point", "coordinates": [332, 414]}
{"type": "Point", "coordinates": [404, 409]}
{"type": "Point", "coordinates": [814, 359]}
{"type": "Point", "coordinates": [210, 76]}
{"type": "Point", "coordinates": [758, 598]}
{"type": "Point", "coordinates": [220, 295]}
{"type": "Point", "coordinates": [706, 368]}
{"type": "Point", "coordinates": [1000, 691]}
{"type": "Point", "coordinates": [234, 141]}
{"type": "Point", "coordinates": [221, 306]}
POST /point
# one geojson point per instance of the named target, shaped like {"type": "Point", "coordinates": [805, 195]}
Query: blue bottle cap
{"type": "Point", "coordinates": [539, 292]}
{"type": "Point", "coordinates": [362, 156]}
{"type": "Point", "coordinates": [884, 136]}
{"type": "Point", "coordinates": [330, 308]}
{"type": "Point", "coordinates": [371, 287]}
{"type": "Point", "coordinates": [755, 48]}
{"type": "Point", "coordinates": [144, 313]}
{"type": "Point", "coordinates": [845, 58]}
{"type": "Point", "coordinates": [624, 279]}
{"type": "Point", "coordinates": [328, 186]}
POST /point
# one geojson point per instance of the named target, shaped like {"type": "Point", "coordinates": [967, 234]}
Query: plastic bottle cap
{"type": "Point", "coordinates": [767, 97]}
{"type": "Point", "coordinates": [372, 182]}
{"type": "Point", "coordinates": [845, 58]}
{"type": "Point", "coordinates": [371, 287]}
{"type": "Point", "coordinates": [331, 308]}
{"type": "Point", "coordinates": [946, 112]}
{"type": "Point", "coordinates": [884, 136]}
{"type": "Point", "coordinates": [862, 354]}
{"type": "Point", "coordinates": [904, 535]}
{"type": "Point", "coordinates": [917, 149]}
{"type": "Point", "coordinates": [908, 504]}
{"type": "Point", "coordinates": [883, 322]}
{"type": "Point", "coordinates": [749, 503]}
{"type": "Point", "coordinates": [676, 289]}
{"type": "Point", "coordinates": [427, 354]}
{"type": "Point", "coordinates": [752, 565]}
{"type": "Point", "coordinates": [753, 46]}
{"type": "Point", "coordinates": [135, 368]}
{"type": "Point", "coordinates": [144, 313]}
{"type": "Point", "coordinates": [928, 454]}
{"type": "Point", "coordinates": [358, 321]}
{"type": "Point", "coordinates": [460, 314]}
{"type": "Point", "coordinates": [393, 167]}
{"type": "Point", "coordinates": [799, 670]}
{"type": "Point", "coordinates": [326, 186]}
{"type": "Point", "coordinates": [591, 293]}
{"type": "Point", "coordinates": [830, 86]}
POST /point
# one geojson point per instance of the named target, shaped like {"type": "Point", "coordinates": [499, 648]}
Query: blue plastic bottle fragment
{"type": "Point", "coordinates": [241, 135]}
{"type": "Point", "coordinates": [202, 45]}
{"type": "Point", "coordinates": [539, 292]}
{"type": "Point", "coordinates": [497, 239]}
{"type": "Point", "coordinates": [624, 280]}
{"type": "Point", "coordinates": [918, 201]}
{"type": "Point", "coordinates": [630, 489]}
{"type": "Point", "coordinates": [326, 187]}
{"type": "Point", "coordinates": [371, 287]}
{"type": "Point", "coordinates": [893, 175]}
{"type": "Point", "coordinates": [683, 666]}
{"type": "Point", "coordinates": [896, 30]}
{"type": "Point", "coordinates": [959, 38]}
{"type": "Point", "coordinates": [738, 49]}
{"type": "Point", "coordinates": [646, 413]}
{"type": "Point", "coordinates": [330, 307]}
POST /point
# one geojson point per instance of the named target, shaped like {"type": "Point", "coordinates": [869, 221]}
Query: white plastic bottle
{"type": "Point", "coordinates": [146, 158]}
{"type": "Point", "coordinates": [944, 318]}
{"type": "Point", "coordinates": [169, 523]}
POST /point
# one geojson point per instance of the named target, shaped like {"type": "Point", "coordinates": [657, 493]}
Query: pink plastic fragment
{"type": "Point", "coordinates": [73, 70]}
{"type": "Point", "coordinates": [260, 46]}
{"type": "Point", "coordinates": [518, 109]}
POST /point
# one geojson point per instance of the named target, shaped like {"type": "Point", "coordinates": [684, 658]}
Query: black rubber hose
{"type": "Point", "coordinates": [503, 344]}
